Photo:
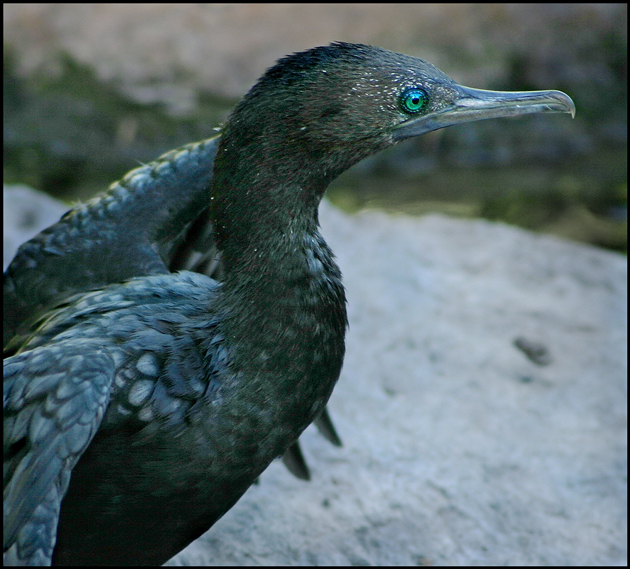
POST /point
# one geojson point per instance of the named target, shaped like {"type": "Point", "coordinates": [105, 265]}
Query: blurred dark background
{"type": "Point", "coordinates": [91, 90]}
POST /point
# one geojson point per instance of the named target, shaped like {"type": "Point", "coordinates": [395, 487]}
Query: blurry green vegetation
{"type": "Point", "coordinates": [72, 135]}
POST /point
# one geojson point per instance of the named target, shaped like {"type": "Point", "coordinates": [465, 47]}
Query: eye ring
{"type": "Point", "coordinates": [413, 100]}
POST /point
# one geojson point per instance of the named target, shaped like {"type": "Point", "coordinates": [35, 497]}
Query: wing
{"type": "Point", "coordinates": [54, 400]}
{"type": "Point", "coordinates": [131, 230]}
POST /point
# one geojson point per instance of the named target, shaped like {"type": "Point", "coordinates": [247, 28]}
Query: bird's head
{"type": "Point", "coordinates": [320, 111]}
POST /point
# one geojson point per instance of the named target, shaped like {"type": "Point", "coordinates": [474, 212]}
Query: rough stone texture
{"type": "Point", "coordinates": [458, 448]}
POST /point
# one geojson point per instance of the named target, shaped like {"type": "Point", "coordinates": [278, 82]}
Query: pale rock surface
{"type": "Point", "coordinates": [458, 448]}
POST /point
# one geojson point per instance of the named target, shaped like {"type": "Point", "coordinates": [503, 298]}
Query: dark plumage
{"type": "Point", "coordinates": [164, 396]}
{"type": "Point", "coordinates": [148, 223]}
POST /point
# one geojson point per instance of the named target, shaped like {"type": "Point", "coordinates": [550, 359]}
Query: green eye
{"type": "Point", "coordinates": [413, 100]}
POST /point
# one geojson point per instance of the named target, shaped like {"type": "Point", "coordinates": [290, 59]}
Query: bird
{"type": "Point", "coordinates": [147, 223]}
{"type": "Point", "coordinates": [138, 413]}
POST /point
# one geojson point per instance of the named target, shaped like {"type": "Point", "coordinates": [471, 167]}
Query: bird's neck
{"type": "Point", "coordinates": [282, 287]}
{"type": "Point", "coordinates": [264, 203]}
{"type": "Point", "coordinates": [271, 247]}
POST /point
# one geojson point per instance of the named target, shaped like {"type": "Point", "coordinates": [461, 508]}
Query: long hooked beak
{"type": "Point", "coordinates": [477, 104]}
